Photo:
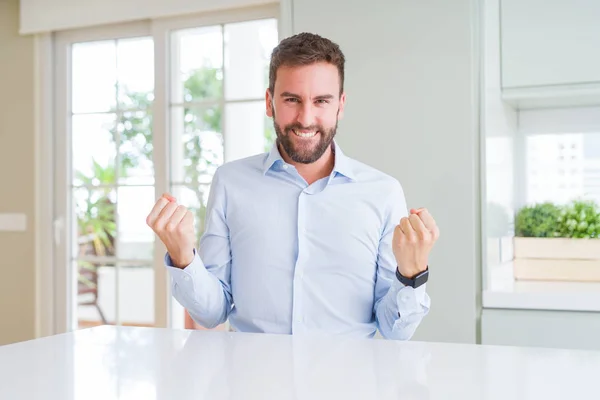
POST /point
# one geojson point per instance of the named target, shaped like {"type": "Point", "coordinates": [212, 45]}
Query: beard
{"type": "Point", "coordinates": [304, 153]}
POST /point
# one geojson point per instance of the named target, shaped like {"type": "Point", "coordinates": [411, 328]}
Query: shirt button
{"type": "Point", "coordinates": [186, 278]}
{"type": "Point", "coordinates": [285, 166]}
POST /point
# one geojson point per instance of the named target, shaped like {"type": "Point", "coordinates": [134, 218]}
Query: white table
{"type": "Point", "coordinates": [147, 363]}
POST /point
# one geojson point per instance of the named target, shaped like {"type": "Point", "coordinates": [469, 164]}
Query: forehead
{"type": "Point", "coordinates": [322, 77]}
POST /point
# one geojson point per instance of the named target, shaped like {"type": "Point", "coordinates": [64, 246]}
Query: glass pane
{"type": "Point", "coordinates": [248, 47]}
{"type": "Point", "coordinates": [95, 219]}
{"type": "Point", "coordinates": [135, 70]}
{"type": "Point", "coordinates": [95, 294]}
{"type": "Point", "coordinates": [196, 144]}
{"type": "Point", "coordinates": [199, 64]}
{"type": "Point", "coordinates": [94, 76]}
{"type": "Point", "coordinates": [136, 294]}
{"type": "Point", "coordinates": [136, 239]}
{"type": "Point", "coordinates": [94, 149]}
{"type": "Point", "coordinates": [555, 168]}
{"type": "Point", "coordinates": [246, 129]}
{"type": "Point", "coordinates": [195, 198]}
{"type": "Point", "coordinates": [135, 150]}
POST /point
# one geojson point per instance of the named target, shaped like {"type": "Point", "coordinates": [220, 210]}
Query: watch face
{"type": "Point", "coordinates": [421, 278]}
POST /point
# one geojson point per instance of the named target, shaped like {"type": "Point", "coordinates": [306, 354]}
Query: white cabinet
{"type": "Point", "coordinates": [539, 328]}
{"type": "Point", "coordinates": [548, 43]}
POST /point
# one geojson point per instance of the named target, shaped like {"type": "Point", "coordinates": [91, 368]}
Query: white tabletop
{"type": "Point", "coordinates": [146, 363]}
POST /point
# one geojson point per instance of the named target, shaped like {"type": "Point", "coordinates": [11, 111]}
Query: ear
{"type": "Point", "coordinates": [342, 105]}
{"type": "Point", "coordinates": [269, 103]}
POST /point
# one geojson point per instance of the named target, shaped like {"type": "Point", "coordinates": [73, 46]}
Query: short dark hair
{"type": "Point", "coordinates": [305, 49]}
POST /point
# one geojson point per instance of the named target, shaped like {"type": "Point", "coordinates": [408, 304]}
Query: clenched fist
{"type": "Point", "coordinates": [174, 225]}
{"type": "Point", "coordinates": [413, 239]}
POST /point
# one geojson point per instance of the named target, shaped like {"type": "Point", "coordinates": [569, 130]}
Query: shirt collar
{"type": "Point", "coordinates": [342, 163]}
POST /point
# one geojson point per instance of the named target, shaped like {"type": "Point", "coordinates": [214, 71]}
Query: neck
{"type": "Point", "coordinates": [314, 171]}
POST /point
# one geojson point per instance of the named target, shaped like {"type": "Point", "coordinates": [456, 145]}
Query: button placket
{"type": "Point", "coordinates": [299, 267]}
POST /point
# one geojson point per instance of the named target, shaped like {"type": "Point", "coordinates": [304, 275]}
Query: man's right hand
{"type": "Point", "coordinates": [174, 225]}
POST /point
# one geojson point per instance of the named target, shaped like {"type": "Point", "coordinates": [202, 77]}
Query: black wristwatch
{"type": "Point", "coordinates": [415, 281]}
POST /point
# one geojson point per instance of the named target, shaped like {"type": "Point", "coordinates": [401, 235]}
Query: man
{"type": "Point", "coordinates": [302, 239]}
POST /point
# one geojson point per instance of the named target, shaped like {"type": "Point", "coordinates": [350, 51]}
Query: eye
{"type": "Point", "coordinates": [291, 100]}
{"type": "Point", "coordinates": [322, 101]}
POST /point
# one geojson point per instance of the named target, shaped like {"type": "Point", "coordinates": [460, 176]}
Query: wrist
{"type": "Point", "coordinates": [182, 260]}
{"type": "Point", "coordinates": [411, 272]}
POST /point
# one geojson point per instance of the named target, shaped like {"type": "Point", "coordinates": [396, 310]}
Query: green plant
{"type": "Point", "coordinates": [539, 220]}
{"type": "Point", "coordinates": [580, 219]}
{"type": "Point", "coordinates": [96, 224]}
{"type": "Point", "coordinates": [96, 216]}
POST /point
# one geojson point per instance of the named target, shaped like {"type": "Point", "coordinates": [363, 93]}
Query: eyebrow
{"type": "Point", "coordinates": [320, 97]}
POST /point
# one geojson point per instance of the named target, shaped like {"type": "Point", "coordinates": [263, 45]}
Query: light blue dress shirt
{"type": "Point", "coordinates": [281, 256]}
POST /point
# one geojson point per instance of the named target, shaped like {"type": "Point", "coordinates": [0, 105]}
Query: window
{"type": "Point", "coordinates": [553, 179]}
{"type": "Point", "coordinates": [122, 139]}
{"type": "Point", "coordinates": [112, 180]}
{"type": "Point", "coordinates": [533, 258]}
{"type": "Point", "coordinates": [216, 105]}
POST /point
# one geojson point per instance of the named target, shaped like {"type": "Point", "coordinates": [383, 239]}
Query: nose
{"type": "Point", "coordinates": [306, 115]}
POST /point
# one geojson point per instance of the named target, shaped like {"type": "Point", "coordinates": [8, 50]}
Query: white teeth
{"type": "Point", "coordinates": [305, 134]}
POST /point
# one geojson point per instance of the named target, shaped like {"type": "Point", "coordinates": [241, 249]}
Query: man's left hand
{"type": "Point", "coordinates": [413, 239]}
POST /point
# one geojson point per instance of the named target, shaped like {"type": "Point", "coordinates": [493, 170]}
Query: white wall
{"type": "Point", "coordinates": [17, 178]}
{"type": "Point", "coordinates": [45, 16]}
{"type": "Point", "coordinates": [412, 112]}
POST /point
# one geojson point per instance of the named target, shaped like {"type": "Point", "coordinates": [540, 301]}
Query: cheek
{"type": "Point", "coordinates": [328, 118]}
{"type": "Point", "coordinates": [284, 116]}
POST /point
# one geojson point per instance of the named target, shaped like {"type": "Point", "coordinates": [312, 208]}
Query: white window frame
{"type": "Point", "coordinates": [52, 174]}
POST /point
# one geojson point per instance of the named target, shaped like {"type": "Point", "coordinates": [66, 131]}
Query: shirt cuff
{"type": "Point", "coordinates": [410, 301]}
{"type": "Point", "coordinates": [185, 275]}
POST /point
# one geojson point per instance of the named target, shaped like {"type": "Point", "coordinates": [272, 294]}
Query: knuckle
{"type": "Point", "coordinates": [181, 228]}
{"type": "Point", "coordinates": [155, 226]}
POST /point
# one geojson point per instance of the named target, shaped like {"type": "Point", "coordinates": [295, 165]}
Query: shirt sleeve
{"type": "Point", "coordinates": [398, 309]}
{"type": "Point", "coordinates": [203, 287]}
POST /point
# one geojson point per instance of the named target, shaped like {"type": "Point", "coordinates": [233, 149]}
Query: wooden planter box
{"type": "Point", "coordinates": [557, 259]}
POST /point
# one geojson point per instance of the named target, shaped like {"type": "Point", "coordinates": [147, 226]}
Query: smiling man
{"type": "Point", "coordinates": [303, 239]}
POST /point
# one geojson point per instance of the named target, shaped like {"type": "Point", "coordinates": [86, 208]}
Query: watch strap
{"type": "Point", "coordinates": [416, 280]}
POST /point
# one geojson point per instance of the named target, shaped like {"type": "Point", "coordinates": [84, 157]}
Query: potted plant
{"type": "Point", "coordinates": [558, 243]}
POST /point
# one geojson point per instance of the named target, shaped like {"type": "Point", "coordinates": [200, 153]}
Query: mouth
{"type": "Point", "coordinates": [305, 134]}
